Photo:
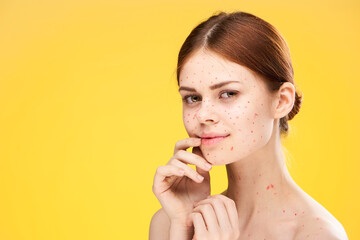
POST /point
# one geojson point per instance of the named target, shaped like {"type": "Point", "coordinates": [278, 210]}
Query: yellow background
{"type": "Point", "coordinates": [89, 109]}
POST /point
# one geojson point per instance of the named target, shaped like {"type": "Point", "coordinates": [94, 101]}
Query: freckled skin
{"type": "Point", "coordinates": [245, 112]}
{"type": "Point", "coordinates": [224, 112]}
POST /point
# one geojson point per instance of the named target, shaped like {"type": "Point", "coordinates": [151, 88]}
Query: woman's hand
{"type": "Point", "coordinates": [177, 186]}
{"type": "Point", "coordinates": [215, 218]}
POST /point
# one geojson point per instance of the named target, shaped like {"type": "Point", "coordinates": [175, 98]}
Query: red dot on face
{"type": "Point", "coordinates": [248, 101]}
{"type": "Point", "coordinates": [295, 214]}
{"type": "Point", "coordinates": [272, 186]}
{"type": "Point", "coordinates": [283, 211]}
{"type": "Point", "coordinates": [262, 104]}
{"type": "Point", "coordinates": [251, 131]}
{"type": "Point", "coordinates": [253, 122]}
{"type": "Point", "coordinates": [232, 148]}
{"type": "Point", "coordinates": [254, 140]}
{"type": "Point", "coordinates": [208, 154]}
{"type": "Point", "coordinates": [187, 121]}
{"type": "Point", "coordinates": [267, 188]}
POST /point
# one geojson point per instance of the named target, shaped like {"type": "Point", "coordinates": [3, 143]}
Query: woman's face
{"type": "Point", "coordinates": [240, 109]}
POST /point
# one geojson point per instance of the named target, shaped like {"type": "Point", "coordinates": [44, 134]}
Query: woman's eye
{"type": "Point", "coordinates": [192, 98]}
{"type": "Point", "coordinates": [227, 93]}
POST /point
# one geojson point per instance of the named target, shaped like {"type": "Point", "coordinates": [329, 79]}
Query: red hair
{"type": "Point", "coordinates": [249, 41]}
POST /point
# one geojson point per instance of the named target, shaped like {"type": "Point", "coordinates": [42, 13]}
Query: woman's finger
{"type": "Point", "coordinates": [189, 171]}
{"type": "Point", "coordinates": [199, 225]}
{"type": "Point", "coordinates": [209, 216]}
{"type": "Point", "coordinates": [231, 210]}
{"type": "Point", "coordinates": [184, 144]}
{"type": "Point", "coordinates": [188, 157]}
{"type": "Point", "coordinates": [220, 211]}
{"type": "Point", "coordinates": [163, 173]}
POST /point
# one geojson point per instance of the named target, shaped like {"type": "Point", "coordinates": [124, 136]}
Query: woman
{"type": "Point", "coordinates": [236, 80]}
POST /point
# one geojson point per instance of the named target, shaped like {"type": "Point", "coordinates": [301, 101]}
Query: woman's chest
{"type": "Point", "coordinates": [284, 230]}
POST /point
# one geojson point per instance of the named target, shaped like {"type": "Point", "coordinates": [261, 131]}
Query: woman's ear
{"type": "Point", "coordinates": [284, 100]}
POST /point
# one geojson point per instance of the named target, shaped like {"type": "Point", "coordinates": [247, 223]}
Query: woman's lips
{"type": "Point", "coordinates": [212, 141]}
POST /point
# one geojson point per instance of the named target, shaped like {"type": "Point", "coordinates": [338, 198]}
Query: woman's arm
{"type": "Point", "coordinates": [161, 228]}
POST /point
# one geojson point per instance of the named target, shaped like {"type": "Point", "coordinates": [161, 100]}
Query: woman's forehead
{"type": "Point", "coordinates": [209, 65]}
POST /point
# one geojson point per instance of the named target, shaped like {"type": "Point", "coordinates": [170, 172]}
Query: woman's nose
{"type": "Point", "coordinates": [206, 113]}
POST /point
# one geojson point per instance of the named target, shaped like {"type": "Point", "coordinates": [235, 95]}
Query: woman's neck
{"type": "Point", "coordinates": [260, 182]}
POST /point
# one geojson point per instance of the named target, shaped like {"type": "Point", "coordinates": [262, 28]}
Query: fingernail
{"type": "Point", "coordinates": [200, 177]}
{"type": "Point", "coordinates": [208, 166]}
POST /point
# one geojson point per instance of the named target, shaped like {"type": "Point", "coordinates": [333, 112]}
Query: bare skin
{"type": "Point", "coordinates": [269, 204]}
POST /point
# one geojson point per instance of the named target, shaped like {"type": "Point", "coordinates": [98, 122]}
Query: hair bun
{"type": "Point", "coordinates": [296, 107]}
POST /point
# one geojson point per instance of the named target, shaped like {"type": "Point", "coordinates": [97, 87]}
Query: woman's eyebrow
{"type": "Point", "coordinates": [213, 87]}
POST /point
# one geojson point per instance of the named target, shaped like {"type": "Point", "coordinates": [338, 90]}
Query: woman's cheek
{"type": "Point", "coordinates": [189, 123]}
{"type": "Point", "coordinates": [249, 129]}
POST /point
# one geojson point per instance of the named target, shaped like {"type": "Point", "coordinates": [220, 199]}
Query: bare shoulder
{"type": "Point", "coordinates": [159, 226]}
{"type": "Point", "coordinates": [319, 224]}
{"type": "Point", "coordinates": [320, 228]}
